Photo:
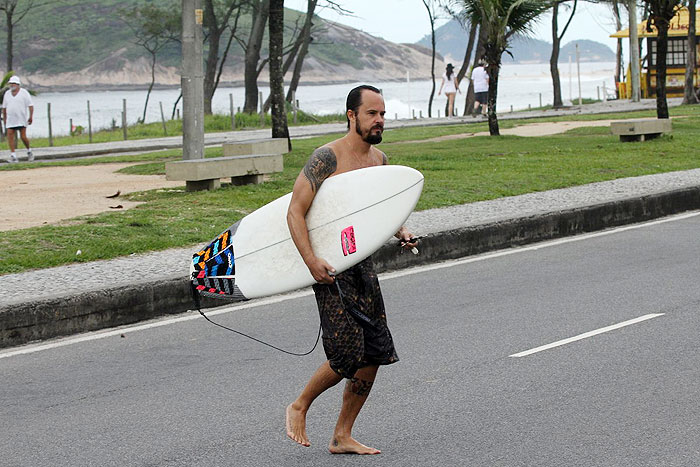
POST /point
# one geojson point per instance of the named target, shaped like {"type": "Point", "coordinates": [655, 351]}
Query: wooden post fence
{"type": "Point", "coordinates": [233, 114]}
{"type": "Point", "coordinates": [48, 113]}
{"type": "Point", "coordinates": [162, 117]}
{"type": "Point", "coordinates": [89, 122]}
{"type": "Point", "coordinates": [124, 117]}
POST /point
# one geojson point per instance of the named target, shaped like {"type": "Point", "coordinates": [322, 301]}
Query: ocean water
{"type": "Point", "coordinates": [520, 86]}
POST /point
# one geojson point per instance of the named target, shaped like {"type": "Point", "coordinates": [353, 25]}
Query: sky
{"type": "Point", "coordinates": [407, 20]}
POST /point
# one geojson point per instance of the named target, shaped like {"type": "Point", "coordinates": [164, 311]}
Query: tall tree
{"type": "Point", "coordinates": [480, 50]}
{"type": "Point", "coordinates": [252, 47]}
{"type": "Point", "coordinates": [556, 46]}
{"type": "Point", "coordinates": [689, 96]}
{"type": "Point", "coordinates": [276, 37]}
{"type": "Point", "coordinates": [465, 68]}
{"type": "Point", "coordinates": [430, 6]}
{"type": "Point", "coordinates": [618, 52]}
{"type": "Point", "coordinates": [502, 19]}
{"type": "Point", "coordinates": [15, 11]}
{"type": "Point", "coordinates": [298, 46]}
{"type": "Point", "coordinates": [154, 28]}
{"type": "Point", "coordinates": [220, 16]}
{"type": "Point", "coordinates": [660, 14]}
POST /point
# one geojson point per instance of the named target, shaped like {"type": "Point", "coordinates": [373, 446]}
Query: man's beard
{"type": "Point", "coordinates": [370, 138]}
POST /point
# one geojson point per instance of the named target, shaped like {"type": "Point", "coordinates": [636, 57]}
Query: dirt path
{"type": "Point", "coordinates": [529, 129]}
{"type": "Point", "coordinates": [46, 195]}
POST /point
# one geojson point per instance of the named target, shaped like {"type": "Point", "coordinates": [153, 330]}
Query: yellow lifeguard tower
{"type": "Point", "coordinates": [675, 59]}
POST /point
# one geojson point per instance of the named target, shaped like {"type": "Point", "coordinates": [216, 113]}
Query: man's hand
{"type": "Point", "coordinates": [405, 237]}
{"type": "Point", "coordinates": [30, 120]}
{"type": "Point", "coordinates": [319, 268]}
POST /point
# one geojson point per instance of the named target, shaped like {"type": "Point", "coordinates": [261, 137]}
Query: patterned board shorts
{"type": "Point", "coordinates": [351, 343]}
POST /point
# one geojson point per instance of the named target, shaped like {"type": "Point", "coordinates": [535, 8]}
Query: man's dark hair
{"type": "Point", "coordinates": [354, 100]}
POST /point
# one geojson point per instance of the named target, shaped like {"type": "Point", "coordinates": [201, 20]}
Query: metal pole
{"type": "Point", "coordinates": [48, 113]}
{"type": "Point", "coordinates": [124, 117]}
{"type": "Point", "coordinates": [70, 123]}
{"type": "Point", "coordinates": [162, 117]}
{"type": "Point", "coordinates": [192, 80]}
{"type": "Point", "coordinates": [89, 122]}
{"type": "Point", "coordinates": [578, 70]}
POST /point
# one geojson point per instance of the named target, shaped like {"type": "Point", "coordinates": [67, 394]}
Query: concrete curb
{"type": "Point", "coordinates": [91, 311]}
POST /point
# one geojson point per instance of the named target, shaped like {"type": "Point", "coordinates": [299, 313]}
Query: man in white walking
{"type": "Point", "coordinates": [17, 114]}
{"type": "Point", "coordinates": [480, 78]}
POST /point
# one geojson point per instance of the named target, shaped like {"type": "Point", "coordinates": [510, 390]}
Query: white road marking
{"type": "Point", "coordinates": [61, 342]}
{"type": "Point", "coordinates": [586, 335]}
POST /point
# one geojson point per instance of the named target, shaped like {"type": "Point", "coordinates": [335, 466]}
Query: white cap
{"type": "Point", "coordinates": [14, 80]}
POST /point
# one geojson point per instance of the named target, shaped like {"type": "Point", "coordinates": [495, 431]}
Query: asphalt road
{"type": "Point", "coordinates": [182, 392]}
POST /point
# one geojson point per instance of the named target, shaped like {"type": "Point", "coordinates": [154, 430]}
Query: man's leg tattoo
{"type": "Point", "coordinates": [359, 386]}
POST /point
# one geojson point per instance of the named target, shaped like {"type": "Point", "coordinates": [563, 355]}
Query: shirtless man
{"type": "Point", "coordinates": [354, 351]}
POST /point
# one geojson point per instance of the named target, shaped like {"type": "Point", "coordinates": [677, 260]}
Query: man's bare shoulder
{"type": "Point", "coordinates": [321, 165]}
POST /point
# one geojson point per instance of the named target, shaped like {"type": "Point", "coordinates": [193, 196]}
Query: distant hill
{"type": "Point", "coordinates": [451, 42]}
{"type": "Point", "coordinates": [85, 44]}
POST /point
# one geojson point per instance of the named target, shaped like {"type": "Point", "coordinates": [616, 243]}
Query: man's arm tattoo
{"type": "Point", "coordinates": [320, 166]}
{"type": "Point", "coordinates": [359, 386]}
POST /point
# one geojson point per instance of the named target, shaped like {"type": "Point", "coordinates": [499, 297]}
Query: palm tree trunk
{"type": "Point", "coordinates": [661, 52]}
{"type": "Point", "coordinates": [493, 97]}
{"type": "Point", "coordinates": [554, 58]}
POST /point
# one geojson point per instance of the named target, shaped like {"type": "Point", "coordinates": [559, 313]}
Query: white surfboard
{"type": "Point", "coordinates": [352, 216]}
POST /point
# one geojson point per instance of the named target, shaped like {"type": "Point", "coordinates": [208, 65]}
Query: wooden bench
{"type": "Point", "coordinates": [206, 174]}
{"type": "Point", "coordinates": [246, 162]}
{"type": "Point", "coordinates": [640, 130]}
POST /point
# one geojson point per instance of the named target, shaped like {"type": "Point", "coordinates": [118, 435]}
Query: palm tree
{"type": "Point", "coordinates": [660, 14]}
{"type": "Point", "coordinates": [501, 19]}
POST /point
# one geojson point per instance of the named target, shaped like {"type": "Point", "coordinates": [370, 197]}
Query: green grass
{"type": "Point", "coordinates": [456, 172]}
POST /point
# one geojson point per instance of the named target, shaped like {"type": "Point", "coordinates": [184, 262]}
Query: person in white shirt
{"type": "Point", "coordinates": [449, 82]}
{"type": "Point", "coordinates": [17, 114]}
{"type": "Point", "coordinates": [480, 78]}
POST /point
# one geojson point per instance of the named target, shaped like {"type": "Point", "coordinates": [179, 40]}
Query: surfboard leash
{"type": "Point", "coordinates": [197, 302]}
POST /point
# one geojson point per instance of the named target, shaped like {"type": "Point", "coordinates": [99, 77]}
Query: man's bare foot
{"type": "Point", "coordinates": [350, 446]}
{"type": "Point", "coordinates": [296, 426]}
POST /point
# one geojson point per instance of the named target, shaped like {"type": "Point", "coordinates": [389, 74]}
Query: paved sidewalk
{"type": "Point", "coordinates": [80, 297]}
{"type": "Point", "coordinates": [213, 139]}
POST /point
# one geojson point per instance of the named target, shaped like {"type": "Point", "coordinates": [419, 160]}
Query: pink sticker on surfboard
{"type": "Point", "coordinates": [347, 239]}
